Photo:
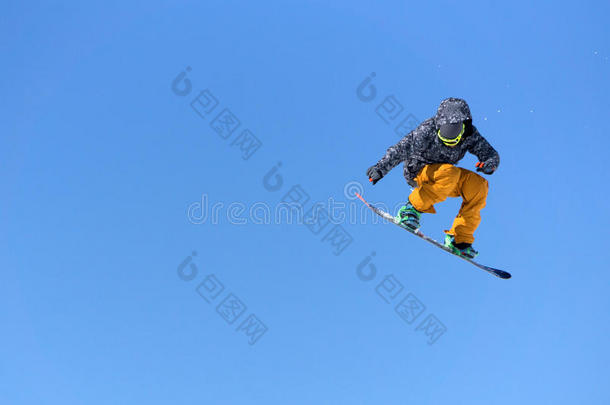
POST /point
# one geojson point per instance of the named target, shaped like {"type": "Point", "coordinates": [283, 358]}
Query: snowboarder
{"type": "Point", "coordinates": [429, 153]}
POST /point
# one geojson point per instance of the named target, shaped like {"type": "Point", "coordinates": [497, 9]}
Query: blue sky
{"type": "Point", "coordinates": [101, 160]}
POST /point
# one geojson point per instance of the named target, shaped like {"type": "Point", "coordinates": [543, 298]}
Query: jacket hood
{"type": "Point", "coordinates": [451, 111]}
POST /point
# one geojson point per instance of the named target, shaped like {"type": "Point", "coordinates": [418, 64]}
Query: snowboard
{"type": "Point", "coordinates": [496, 272]}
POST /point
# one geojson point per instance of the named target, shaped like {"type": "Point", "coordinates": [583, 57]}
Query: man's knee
{"type": "Point", "coordinates": [475, 187]}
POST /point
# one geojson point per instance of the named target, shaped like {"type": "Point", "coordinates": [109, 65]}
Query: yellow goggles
{"type": "Point", "coordinates": [454, 141]}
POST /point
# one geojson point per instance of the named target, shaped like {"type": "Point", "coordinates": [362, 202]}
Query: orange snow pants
{"type": "Point", "coordinates": [438, 181]}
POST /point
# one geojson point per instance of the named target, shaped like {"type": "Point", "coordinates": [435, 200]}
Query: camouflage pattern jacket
{"type": "Point", "coordinates": [422, 146]}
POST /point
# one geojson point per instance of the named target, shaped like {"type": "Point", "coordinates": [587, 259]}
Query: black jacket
{"type": "Point", "coordinates": [422, 146]}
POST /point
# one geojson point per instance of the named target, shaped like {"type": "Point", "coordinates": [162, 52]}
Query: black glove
{"type": "Point", "coordinates": [374, 174]}
{"type": "Point", "coordinates": [485, 167]}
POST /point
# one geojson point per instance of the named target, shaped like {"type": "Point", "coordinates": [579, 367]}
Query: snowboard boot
{"type": "Point", "coordinates": [408, 216]}
{"type": "Point", "coordinates": [460, 249]}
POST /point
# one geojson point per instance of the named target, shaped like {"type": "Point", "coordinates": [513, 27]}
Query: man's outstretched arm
{"type": "Point", "coordinates": [399, 152]}
{"type": "Point", "coordinates": [393, 156]}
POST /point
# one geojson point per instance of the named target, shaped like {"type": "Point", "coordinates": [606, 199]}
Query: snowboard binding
{"type": "Point", "coordinates": [465, 251]}
{"type": "Point", "coordinates": [408, 217]}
